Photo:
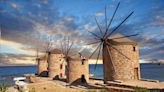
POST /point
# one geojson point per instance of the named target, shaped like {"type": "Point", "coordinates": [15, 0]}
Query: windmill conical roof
{"type": "Point", "coordinates": [43, 57]}
{"type": "Point", "coordinates": [125, 40]}
{"type": "Point", "coordinates": [56, 51]}
{"type": "Point", "coordinates": [76, 56]}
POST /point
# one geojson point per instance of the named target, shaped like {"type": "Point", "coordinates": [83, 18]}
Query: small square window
{"type": "Point", "coordinates": [61, 75]}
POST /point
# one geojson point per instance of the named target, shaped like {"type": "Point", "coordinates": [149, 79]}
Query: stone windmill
{"type": "Point", "coordinates": [66, 46]}
{"type": "Point", "coordinates": [41, 63]}
{"type": "Point", "coordinates": [119, 53]}
{"type": "Point", "coordinates": [48, 48]}
{"type": "Point", "coordinates": [53, 57]}
{"type": "Point", "coordinates": [38, 62]}
{"type": "Point", "coordinates": [77, 67]}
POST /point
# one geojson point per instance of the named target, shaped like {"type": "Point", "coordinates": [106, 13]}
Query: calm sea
{"type": "Point", "coordinates": [148, 71]}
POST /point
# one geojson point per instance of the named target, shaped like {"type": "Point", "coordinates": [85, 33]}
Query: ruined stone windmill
{"type": "Point", "coordinates": [54, 58]}
{"type": "Point", "coordinates": [77, 67]}
{"type": "Point", "coordinates": [42, 61]}
{"type": "Point", "coordinates": [48, 48]}
{"type": "Point", "coordinates": [66, 46]}
{"type": "Point", "coordinates": [119, 53]}
{"type": "Point", "coordinates": [38, 62]}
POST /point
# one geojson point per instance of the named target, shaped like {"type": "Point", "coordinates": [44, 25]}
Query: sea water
{"type": "Point", "coordinates": [148, 71]}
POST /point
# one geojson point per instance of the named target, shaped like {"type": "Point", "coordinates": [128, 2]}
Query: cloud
{"type": "Point", "coordinates": [150, 39]}
{"type": "Point", "coordinates": [99, 14]}
{"type": "Point", "coordinates": [31, 25]}
{"type": "Point", "coordinates": [24, 33]}
{"type": "Point", "coordinates": [160, 20]}
{"type": "Point", "coordinates": [10, 59]}
{"type": "Point", "coordinates": [10, 47]}
{"type": "Point", "coordinates": [69, 18]}
{"type": "Point", "coordinates": [14, 5]}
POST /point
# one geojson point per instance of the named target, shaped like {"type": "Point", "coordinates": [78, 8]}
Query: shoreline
{"type": "Point", "coordinates": [19, 65]}
{"type": "Point", "coordinates": [36, 64]}
{"type": "Point", "coordinates": [41, 84]}
{"type": "Point", "coordinates": [32, 69]}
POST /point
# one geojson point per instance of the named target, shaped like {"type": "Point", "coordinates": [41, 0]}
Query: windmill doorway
{"type": "Point", "coordinates": [83, 80]}
{"type": "Point", "coordinates": [136, 75]}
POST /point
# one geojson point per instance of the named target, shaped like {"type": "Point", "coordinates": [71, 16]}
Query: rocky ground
{"type": "Point", "coordinates": [41, 84]}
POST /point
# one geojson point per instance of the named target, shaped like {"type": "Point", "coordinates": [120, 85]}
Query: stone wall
{"type": "Point", "coordinates": [56, 66]}
{"type": "Point", "coordinates": [121, 68]}
{"type": "Point", "coordinates": [42, 66]}
{"type": "Point", "coordinates": [76, 69]}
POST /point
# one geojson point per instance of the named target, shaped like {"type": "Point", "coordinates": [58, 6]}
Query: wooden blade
{"type": "Point", "coordinates": [98, 26]}
{"type": "Point", "coordinates": [69, 48]}
{"type": "Point", "coordinates": [0, 31]}
{"type": "Point", "coordinates": [111, 19]}
{"type": "Point", "coordinates": [94, 34]}
{"type": "Point", "coordinates": [65, 46]}
{"type": "Point", "coordinates": [97, 57]}
{"type": "Point", "coordinates": [64, 61]}
{"type": "Point", "coordinates": [62, 47]}
{"type": "Point", "coordinates": [45, 58]}
{"type": "Point", "coordinates": [37, 54]}
{"type": "Point", "coordinates": [96, 38]}
{"type": "Point", "coordinates": [119, 25]}
{"type": "Point", "coordinates": [93, 43]}
{"type": "Point", "coordinates": [95, 50]}
{"type": "Point", "coordinates": [106, 20]}
{"type": "Point", "coordinates": [67, 68]}
{"type": "Point", "coordinates": [110, 55]}
{"type": "Point", "coordinates": [50, 44]}
{"type": "Point", "coordinates": [47, 47]}
{"type": "Point", "coordinates": [48, 57]}
{"type": "Point", "coordinates": [118, 51]}
{"type": "Point", "coordinates": [126, 36]}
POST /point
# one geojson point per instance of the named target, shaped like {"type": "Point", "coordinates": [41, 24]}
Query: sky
{"type": "Point", "coordinates": [27, 25]}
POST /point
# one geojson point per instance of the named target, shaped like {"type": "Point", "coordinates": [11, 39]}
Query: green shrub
{"type": "Point", "coordinates": [97, 90]}
{"type": "Point", "coordinates": [3, 88]}
{"type": "Point", "coordinates": [32, 90]}
{"type": "Point", "coordinates": [20, 89]}
{"type": "Point", "coordinates": [139, 89]}
{"type": "Point", "coordinates": [103, 90]}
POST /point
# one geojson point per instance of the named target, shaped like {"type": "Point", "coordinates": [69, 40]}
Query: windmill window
{"type": "Point", "coordinates": [61, 66]}
{"type": "Point", "coordinates": [82, 61]}
{"type": "Point", "coordinates": [134, 48]}
{"type": "Point", "coordinates": [61, 75]}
